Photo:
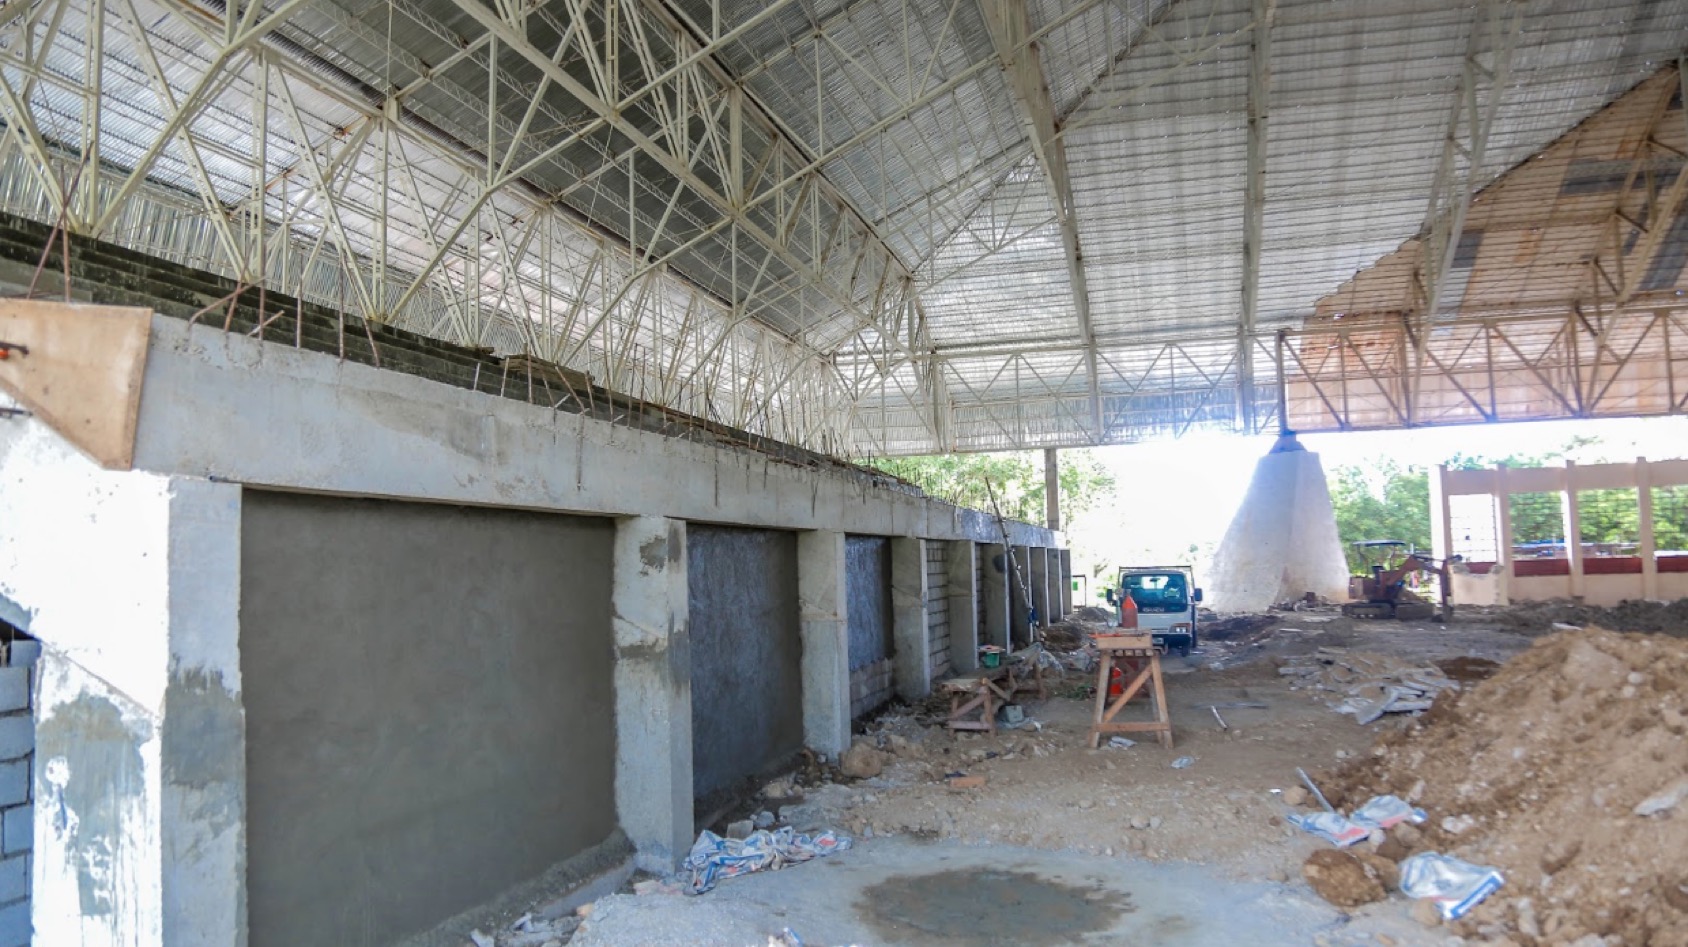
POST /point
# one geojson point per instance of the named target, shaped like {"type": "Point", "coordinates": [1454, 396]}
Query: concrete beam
{"type": "Point", "coordinates": [311, 422]}
{"type": "Point", "coordinates": [653, 690]}
{"type": "Point", "coordinates": [1052, 488]}
{"type": "Point", "coordinates": [961, 567]}
{"type": "Point", "coordinates": [823, 607]}
{"type": "Point", "coordinates": [911, 651]}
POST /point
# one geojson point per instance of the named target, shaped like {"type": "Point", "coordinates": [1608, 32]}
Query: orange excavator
{"type": "Point", "coordinates": [1383, 593]}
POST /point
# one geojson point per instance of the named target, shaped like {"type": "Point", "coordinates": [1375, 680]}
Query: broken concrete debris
{"type": "Point", "coordinates": [531, 930]}
{"type": "Point", "coordinates": [1565, 784]}
{"type": "Point", "coordinates": [1367, 685]}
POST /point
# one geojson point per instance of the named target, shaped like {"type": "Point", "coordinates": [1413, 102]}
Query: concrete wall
{"type": "Point", "coordinates": [1580, 570]}
{"type": "Point", "coordinates": [867, 584]}
{"type": "Point", "coordinates": [141, 710]}
{"type": "Point", "coordinates": [428, 709]}
{"type": "Point", "coordinates": [747, 695]}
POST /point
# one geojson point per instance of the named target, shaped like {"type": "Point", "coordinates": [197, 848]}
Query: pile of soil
{"type": "Point", "coordinates": [1568, 771]}
{"type": "Point", "coordinates": [1069, 635]}
{"type": "Point", "coordinates": [1091, 613]}
{"type": "Point", "coordinates": [1467, 670]}
{"type": "Point", "coordinates": [1235, 627]}
{"type": "Point", "coordinates": [1630, 615]}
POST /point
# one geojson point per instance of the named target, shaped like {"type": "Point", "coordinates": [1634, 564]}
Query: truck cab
{"type": "Point", "coordinates": [1166, 599]}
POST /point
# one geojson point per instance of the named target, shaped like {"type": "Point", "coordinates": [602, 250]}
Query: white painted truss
{"type": "Point", "coordinates": [873, 226]}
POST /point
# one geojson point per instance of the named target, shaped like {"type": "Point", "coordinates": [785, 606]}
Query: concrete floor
{"type": "Point", "coordinates": [902, 891]}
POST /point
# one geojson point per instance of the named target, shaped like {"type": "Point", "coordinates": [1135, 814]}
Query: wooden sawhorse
{"type": "Point", "coordinates": [978, 693]}
{"type": "Point", "coordinates": [1137, 651]}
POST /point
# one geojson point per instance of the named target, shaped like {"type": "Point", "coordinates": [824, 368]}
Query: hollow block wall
{"type": "Point", "coordinates": [937, 609]}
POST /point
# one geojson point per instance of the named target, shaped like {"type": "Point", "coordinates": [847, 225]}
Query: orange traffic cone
{"type": "Point", "coordinates": [1127, 610]}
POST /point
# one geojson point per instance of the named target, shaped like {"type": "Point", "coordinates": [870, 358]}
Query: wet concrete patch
{"type": "Point", "coordinates": [989, 906]}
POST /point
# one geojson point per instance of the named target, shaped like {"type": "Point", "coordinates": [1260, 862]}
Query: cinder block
{"type": "Point", "coordinates": [17, 736]}
{"type": "Point", "coordinates": [17, 829]}
{"type": "Point", "coordinates": [15, 930]}
{"type": "Point", "coordinates": [14, 689]}
{"type": "Point", "coordinates": [14, 784]}
{"type": "Point", "coordinates": [14, 878]}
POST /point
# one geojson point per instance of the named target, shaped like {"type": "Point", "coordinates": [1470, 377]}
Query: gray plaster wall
{"type": "Point", "coordinates": [747, 693]}
{"type": "Point", "coordinates": [867, 580]}
{"type": "Point", "coordinates": [867, 588]}
{"type": "Point", "coordinates": [429, 716]}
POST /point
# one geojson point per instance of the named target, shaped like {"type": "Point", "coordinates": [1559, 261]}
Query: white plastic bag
{"type": "Point", "coordinates": [1330, 826]}
{"type": "Point", "coordinates": [1383, 812]}
{"type": "Point", "coordinates": [1456, 886]}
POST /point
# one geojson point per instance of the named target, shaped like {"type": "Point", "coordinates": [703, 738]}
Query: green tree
{"type": "Point", "coordinates": [1383, 500]}
{"type": "Point", "coordinates": [1017, 477]}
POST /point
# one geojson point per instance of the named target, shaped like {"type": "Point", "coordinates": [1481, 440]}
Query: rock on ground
{"type": "Point", "coordinates": [1342, 879]}
{"type": "Point", "coordinates": [861, 761]}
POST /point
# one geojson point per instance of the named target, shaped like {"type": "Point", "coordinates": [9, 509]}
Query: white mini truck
{"type": "Point", "coordinates": [1166, 598]}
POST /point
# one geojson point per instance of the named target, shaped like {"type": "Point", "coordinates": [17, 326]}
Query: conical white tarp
{"type": "Point", "coordinates": [1282, 543]}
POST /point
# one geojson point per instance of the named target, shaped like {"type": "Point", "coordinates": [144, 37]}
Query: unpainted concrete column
{"type": "Point", "coordinates": [996, 593]}
{"type": "Point", "coordinates": [961, 565]}
{"type": "Point", "coordinates": [1647, 543]}
{"type": "Point", "coordinates": [1571, 507]}
{"type": "Point", "coordinates": [1052, 488]}
{"type": "Point", "coordinates": [1019, 584]}
{"type": "Point", "coordinates": [202, 747]}
{"type": "Point", "coordinates": [653, 690]}
{"type": "Point", "coordinates": [1441, 515]}
{"type": "Point", "coordinates": [1037, 576]}
{"type": "Point", "coordinates": [911, 656]}
{"type": "Point", "coordinates": [1053, 575]}
{"type": "Point", "coordinates": [139, 729]}
{"type": "Point", "coordinates": [1503, 519]}
{"type": "Point", "coordinates": [1066, 582]}
{"type": "Point", "coordinates": [823, 606]}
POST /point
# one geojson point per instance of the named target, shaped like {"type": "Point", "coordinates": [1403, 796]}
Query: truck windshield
{"type": "Point", "coordinates": [1157, 589]}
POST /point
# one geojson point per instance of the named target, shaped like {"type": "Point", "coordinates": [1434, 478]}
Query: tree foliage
{"type": "Point", "coordinates": [1382, 500]}
{"type": "Point", "coordinates": [1017, 477]}
{"type": "Point", "coordinates": [1385, 500]}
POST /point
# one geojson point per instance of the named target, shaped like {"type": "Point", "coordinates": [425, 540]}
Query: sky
{"type": "Point", "coordinates": [1176, 494]}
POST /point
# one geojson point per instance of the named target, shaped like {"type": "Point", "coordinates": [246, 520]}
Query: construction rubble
{"type": "Point", "coordinates": [1364, 685]}
{"type": "Point", "coordinates": [1566, 771]}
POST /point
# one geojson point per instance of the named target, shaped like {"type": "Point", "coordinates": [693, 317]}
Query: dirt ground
{"type": "Point", "coordinates": [1217, 822]}
{"type": "Point", "coordinates": [1046, 789]}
